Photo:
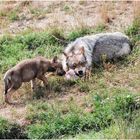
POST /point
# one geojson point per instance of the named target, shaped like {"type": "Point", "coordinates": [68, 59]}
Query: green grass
{"type": "Point", "coordinates": [14, 49]}
{"type": "Point", "coordinates": [110, 94]}
{"type": "Point", "coordinates": [54, 124]}
{"type": "Point", "coordinates": [9, 130]}
{"type": "Point", "coordinates": [37, 12]}
{"type": "Point", "coordinates": [119, 130]}
{"type": "Point", "coordinates": [11, 15]}
{"type": "Point", "coordinates": [133, 31]}
{"type": "Point", "coordinates": [82, 31]}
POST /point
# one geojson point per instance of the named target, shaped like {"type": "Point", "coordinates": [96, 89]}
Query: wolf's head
{"type": "Point", "coordinates": [57, 66]}
{"type": "Point", "coordinates": [76, 61]}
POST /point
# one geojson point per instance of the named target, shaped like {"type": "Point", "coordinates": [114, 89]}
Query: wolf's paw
{"type": "Point", "coordinates": [71, 75]}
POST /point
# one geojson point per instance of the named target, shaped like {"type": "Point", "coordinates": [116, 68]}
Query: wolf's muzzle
{"type": "Point", "coordinates": [80, 73]}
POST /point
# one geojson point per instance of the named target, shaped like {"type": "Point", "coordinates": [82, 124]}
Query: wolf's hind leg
{"type": "Point", "coordinates": [10, 91]}
{"type": "Point", "coordinates": [8, 96]}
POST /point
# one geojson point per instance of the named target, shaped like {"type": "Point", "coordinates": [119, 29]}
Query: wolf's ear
{"type": "Point", "coordinates": [54, 60]}
{"type": "Point", "coordinates": [82, 50]}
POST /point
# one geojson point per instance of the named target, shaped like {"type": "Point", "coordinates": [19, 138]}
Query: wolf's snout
{"type": "Point", "coordinates": [80, 73]}
{"type": "Point", "coordinates": [61, 72]}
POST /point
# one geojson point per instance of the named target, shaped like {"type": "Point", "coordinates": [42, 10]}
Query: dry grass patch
{"type": "Point", "coordinates": [104, 13]}
{"type": "Point", "coordinates": [136, 9]}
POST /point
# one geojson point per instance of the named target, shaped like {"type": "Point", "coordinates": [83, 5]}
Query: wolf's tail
{"type": "Point", "coordinates": [7, 82]}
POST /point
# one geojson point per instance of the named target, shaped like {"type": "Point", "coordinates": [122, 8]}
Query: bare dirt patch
{"type": "Point", "coordinates": [18, 113]}
{"type": "Point", "coordinates": [68, 15]}
{"type": "Point", "coordinates": [14, 113]}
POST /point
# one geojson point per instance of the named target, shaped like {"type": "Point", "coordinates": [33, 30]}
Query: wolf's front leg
{"type": "Point", "coordinates": [88, 73]}
{"type": "Point", "coordinates": [44, 79]}
{"type": "Point", "coordinates": [8, 97]}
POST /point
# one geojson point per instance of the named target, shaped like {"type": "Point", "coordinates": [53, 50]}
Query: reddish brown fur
{"type": "Point", "coordinates": [28, 70]}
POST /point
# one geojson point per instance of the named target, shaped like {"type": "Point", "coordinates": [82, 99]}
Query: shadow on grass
{"type": "Point", "coordinates": [57, 86]}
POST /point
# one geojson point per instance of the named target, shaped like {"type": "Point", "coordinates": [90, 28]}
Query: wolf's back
{"type": "Point", "coordinates": [112, 45]}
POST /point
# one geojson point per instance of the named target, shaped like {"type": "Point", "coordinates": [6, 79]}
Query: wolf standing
{"type": "Point", "coordinates": [28, 70]}
{"type": "Point", "coordinates": [84, 51]}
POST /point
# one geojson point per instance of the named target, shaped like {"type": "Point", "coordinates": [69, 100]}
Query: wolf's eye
{"type": "Point", "coordinates": [82, 63]}
{"type": "Point", "coordinates": [74, 66]}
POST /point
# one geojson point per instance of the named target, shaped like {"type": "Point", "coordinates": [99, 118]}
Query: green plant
{"type": "Point", "coordinates": [79, 32]}
{"type": "Point", "coordinates": [13, 15]}
{"type": "Point", "coordinates": [67, 8]}
{"type": "Point", "coordinates": [53, 124]}
{"type": "Point", "coordinates": [36, 12]}
{"type": "Point", "coordinates": [8, 130]}
{"type": "Point", "coordinates": [133, 31]}
{"type": "Point", "coordinates": [54, 85]}
{"type": "Point", "coordinates": [27, 46]}
{"type": "Point", "coordinates": [2, 13]}
{"type": "Point", "coordinates": [83, 86]}
{"type": "Point", "coordinates": [39, 93]}
{"type": "Point", "coordinates": [124, 106]}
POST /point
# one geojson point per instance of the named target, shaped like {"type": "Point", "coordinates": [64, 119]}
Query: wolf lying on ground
{"type": "Point", "coordinates": [28, 70]}
{"type": "Point", "coordinates": [84, 51]}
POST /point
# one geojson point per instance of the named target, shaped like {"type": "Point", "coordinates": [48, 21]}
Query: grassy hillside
{"type": "Point", "coordinates": [105, 106]}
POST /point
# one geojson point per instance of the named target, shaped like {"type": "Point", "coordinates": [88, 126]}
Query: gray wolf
{"type": "Point", "coordinates": [80, 54]}
{"type": "Point", "coordinates": [28, 70]}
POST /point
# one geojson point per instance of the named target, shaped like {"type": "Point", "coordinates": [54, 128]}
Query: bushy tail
{"type": "Point", "coordinates": [6, 85]}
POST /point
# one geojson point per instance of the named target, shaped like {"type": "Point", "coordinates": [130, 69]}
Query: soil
{"type": "Point", "coordinates": [68, 14]}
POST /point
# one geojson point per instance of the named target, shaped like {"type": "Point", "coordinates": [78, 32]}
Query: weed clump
{"type": "Point", "coordinates": [27, 46]}
{"type": "Point", "coordinates": [55, 125]}
{"type": "Point", "coordinates": [133, 31]}
{"type": "Point", "coordinates": [79, 32]}
{"type": "Point", "coordinates": [8, 130]}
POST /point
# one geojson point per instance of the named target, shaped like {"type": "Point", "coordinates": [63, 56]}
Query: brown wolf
{"type": "Point", "coordinates": [28, 70]}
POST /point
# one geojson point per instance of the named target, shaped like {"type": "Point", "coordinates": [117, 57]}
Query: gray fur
{"type": "Point", "coordinates": [112, 45]}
